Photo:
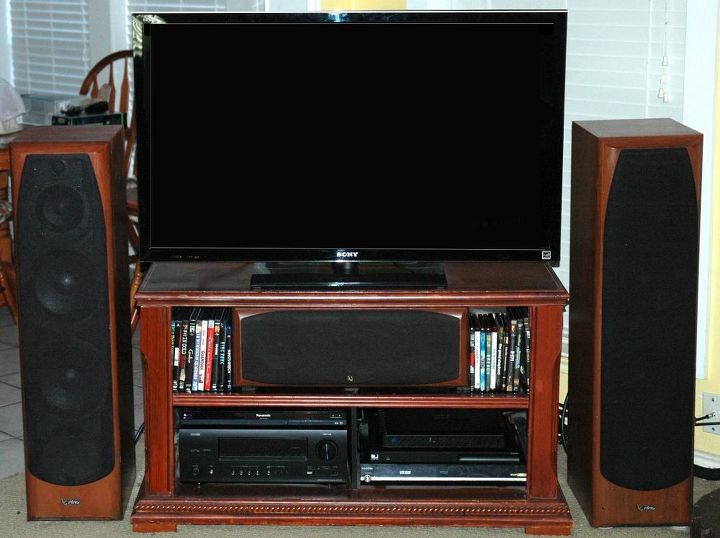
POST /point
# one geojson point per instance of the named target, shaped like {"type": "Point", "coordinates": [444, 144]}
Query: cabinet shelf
{"type": "Point", "coordinates": [485, 401]}
{"type": "Point", "coordinates": [537, 505]}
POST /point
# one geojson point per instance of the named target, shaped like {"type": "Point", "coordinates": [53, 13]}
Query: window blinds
{"type": "Point", "coordinates": [154, 6]}
{"type": "Point", "coordinates": [135, 6]}
{"type": "Point", "coordinates": [615, 55]}
{"type": "Point", "coordinates": [50, 51]}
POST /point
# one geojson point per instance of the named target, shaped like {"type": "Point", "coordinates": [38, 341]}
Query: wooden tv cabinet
{"type": "Point", "coordinates": [538, 505]}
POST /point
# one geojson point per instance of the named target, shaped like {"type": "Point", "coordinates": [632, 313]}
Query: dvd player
{"type": "Point", "coordinates": [443, 472]}
{"type": "Point", "coordinates": [440, 446]}
{"type": "Point", "coordinates": [440, 456]}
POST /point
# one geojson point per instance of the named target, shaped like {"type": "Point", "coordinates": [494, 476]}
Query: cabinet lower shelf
{"type": "Point", "coordinates": [313, 505]}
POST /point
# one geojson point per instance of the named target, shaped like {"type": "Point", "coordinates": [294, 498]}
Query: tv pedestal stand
{"type": "Point", "coordinates": [349, 275]}
{"type": "Point", "coordinates": [537, 505]}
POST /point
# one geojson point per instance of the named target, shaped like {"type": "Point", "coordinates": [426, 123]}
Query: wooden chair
{"type": "Point", "coordinates": [101, 82]}
{"type": "Point", "coordinates": [7, 268]}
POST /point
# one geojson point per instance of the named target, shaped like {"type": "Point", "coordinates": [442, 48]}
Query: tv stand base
{"type": "Point", "coordinates": [542, 517]}
{"type": "Point", "coordinates": [164, 501]}
{"type": "Point", "coordinates": [349, 276]}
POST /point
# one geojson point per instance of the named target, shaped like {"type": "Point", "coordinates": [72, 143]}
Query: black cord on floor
{"type": "Point", "coordinates": [563, 420]}
{"type": "Point", "coordinates": [706, 473]}
{"type": "Point", "coordinates": [139, 433]}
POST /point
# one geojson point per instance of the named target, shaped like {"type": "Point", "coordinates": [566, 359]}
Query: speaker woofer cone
{"type": "Point", "coordinates": [70, 381]}
{"type": "Point", "coordinates": [64, 284]}
{"type": "Point", "coordinates": [72, 454]}
{"type": "Point", "coordinates": [60, 208]}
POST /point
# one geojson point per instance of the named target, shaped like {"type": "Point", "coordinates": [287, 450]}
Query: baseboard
{"type": "Point", "coordinates": [707, 460]}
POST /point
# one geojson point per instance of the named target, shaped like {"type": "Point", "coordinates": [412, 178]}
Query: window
{"type": "Point", "coordinates": [177, 5]}
{"type": "Point", "coordinates": [151, 6]}
{"type": "Point", "coordinates": [615, 70]}
{"type": "Point", "coordinates": [50, 51]}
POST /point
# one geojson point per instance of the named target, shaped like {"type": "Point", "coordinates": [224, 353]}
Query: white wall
{"type": "Point", "coordinates": [699, 113]}
{"type": "Point", "coordinates": [108, 28]}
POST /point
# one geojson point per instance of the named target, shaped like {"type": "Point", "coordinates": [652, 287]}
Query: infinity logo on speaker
{"type": "Point", "coordinates": [645, 507]}
{"type": "Point", "coordinates": [70, 502]}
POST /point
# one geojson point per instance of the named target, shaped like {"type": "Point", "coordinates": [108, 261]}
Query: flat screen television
{"type": "Point", "coordinates": [394, 137]}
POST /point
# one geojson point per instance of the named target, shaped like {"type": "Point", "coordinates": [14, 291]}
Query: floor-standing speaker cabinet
{"type": "Point", "coordinates": [633, 309]}
{"type": "Point", "coordinates": [74, 322]}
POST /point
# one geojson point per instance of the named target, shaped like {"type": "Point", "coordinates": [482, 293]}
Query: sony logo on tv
{"type": "Point", "coordinates": [346, 254]}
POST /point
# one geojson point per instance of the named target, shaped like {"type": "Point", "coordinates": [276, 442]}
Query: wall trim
{"type": "Point", "coordinates": [707, 460]}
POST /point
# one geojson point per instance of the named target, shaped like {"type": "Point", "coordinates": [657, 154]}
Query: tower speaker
{"type": "Point", "coordinates": [633, 284]}
{"type": "Point", "coordinates": [74, 320]}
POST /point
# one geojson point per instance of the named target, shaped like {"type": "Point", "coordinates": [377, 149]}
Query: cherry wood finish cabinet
{"type": "Point", "coordinates": [538, 505]}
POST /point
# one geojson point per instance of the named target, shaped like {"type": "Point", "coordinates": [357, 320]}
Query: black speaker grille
{"type": "Point", "coordinates": [649, 309]}
{"type": "Point", "coordinates": [64, 321]}
{"type": "Point", "coordinates": [350, 347]}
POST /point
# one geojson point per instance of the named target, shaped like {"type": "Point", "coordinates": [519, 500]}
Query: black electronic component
{"type": "Point", "coordinates": [263, 445]}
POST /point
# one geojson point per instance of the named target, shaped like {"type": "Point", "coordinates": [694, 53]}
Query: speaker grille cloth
{"type": "Point", "coordinates": [64, 323]}
{"type": "Point", "coordinates": [350, 347]}
{"type": "Point", "coordinates": [649, 310]}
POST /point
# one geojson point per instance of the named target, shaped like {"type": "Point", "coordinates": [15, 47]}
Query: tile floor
{"type": "Point", "coordinates": [11, 429]}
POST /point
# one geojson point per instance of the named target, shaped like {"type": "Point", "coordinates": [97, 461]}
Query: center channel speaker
{"type": "Point", "coordinates": [351, 347]}
{"type": "Point", "coordinates": [74, 320]}
{"type": "Point", "coordinates": [633, 314]}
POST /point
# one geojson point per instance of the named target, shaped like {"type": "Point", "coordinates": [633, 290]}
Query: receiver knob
{"type": "Point", "coordinates": [327, 450]}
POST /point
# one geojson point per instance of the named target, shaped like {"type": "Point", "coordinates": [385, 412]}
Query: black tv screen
{"type": "Point", "coordinates": [384, 136]}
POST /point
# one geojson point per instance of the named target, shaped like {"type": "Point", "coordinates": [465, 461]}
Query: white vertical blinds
{"type": "Point", "coordinates": [50, 51]}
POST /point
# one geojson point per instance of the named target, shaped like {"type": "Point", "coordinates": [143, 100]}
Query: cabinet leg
{"type": "Point", "coordinates": [155, 527]}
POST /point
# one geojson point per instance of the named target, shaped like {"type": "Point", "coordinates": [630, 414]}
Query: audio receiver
{"type": "Point", "coordinates": [263, 445]}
